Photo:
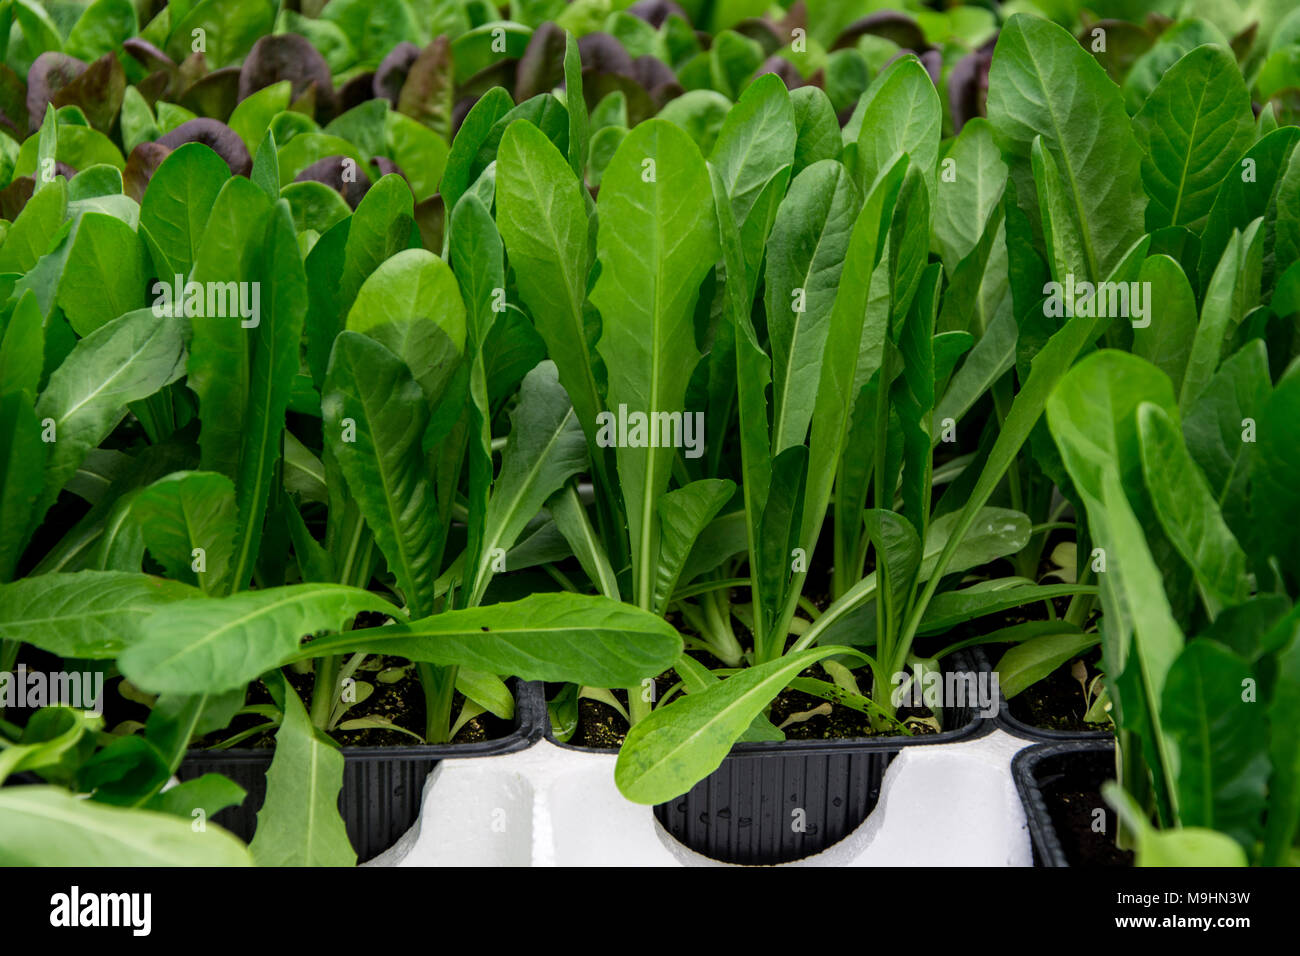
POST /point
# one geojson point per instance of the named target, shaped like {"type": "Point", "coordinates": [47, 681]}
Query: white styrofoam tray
{"type": "Point", "coordinates": [940, 805]}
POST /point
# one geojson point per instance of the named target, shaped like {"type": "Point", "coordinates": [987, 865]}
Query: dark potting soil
{"type": "Point", "coordinates": [602, 727]}
{"type": "Point", "coordinates": [400, 703]}
{"type": "Point", "coordinates": [1073, 796]}
{"type": "Point", "coordinates": [1056, 702]}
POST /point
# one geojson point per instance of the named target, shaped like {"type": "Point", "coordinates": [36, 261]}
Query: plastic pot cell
{"type": "Point", "coordinates": [382, 786]}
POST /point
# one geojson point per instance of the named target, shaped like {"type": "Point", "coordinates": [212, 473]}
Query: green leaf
{"type": "Point", "coordinates": [231, 27]}
{"type": "Point", "coordinates": [557, 636]}
{"type": "Point", "coordinates": [805, 258]}
{"type": "Point", "coordinates": [1092, 416]}
{"type": "Point", "coordinates": [478, 254]}
{"type": "Point", "coordinates": [951, 608]}
{"type": "Point", "coordinates": [105, 273]}
{"type": "Point", "coordinates": [681, 743]}
{"type": "Point", "coordinates": [1284, 754]}
{"type": "Point", "coordinates": [242, 363]}
{"type": "Point", "coordinates": [656, 242]}
{"type": "Point", "coordinates": [1215, 428]}
{"type": "Point", "coordinates": [488, 691]}
{"type": "Point", "coordinates": [913, 397]}
{"type": "Point", "coordinates": [1100, 411]}
{"type": "Point", "coordinates": [1182, 37]}
{"type": "Point", "coordinates": [252, 116]}
{"type": "Point", "coordinates": [1166, 340]}
{"type": "Point", "coordinates": [411, 303]}
{"type": "Point", "coordinates": [1232, 292]}
{"type": "Point", "coordinates": [491, 107]}
{"type": "Point", "coordinates": [756, 140]}
{"type": "Point", "coordinates": [31, 233]}
{"type": "Point", "coordinates": [100, 181]}
{"type": "Point", "coordinates": [732, 60]}
{"type": "Point", "coordinates": [1275, 498]}
{"type": "Point", "coordinates": [48, 826]}
{"type": "Point", "coordinates": [908, 249]}
{"type": "Point", "coordinates": [1188, 511]}
{"type": "Point", "coordinates": [477, 49]}
{"type": "Point", "coordinates": [39, 32]}
{"type": "Point", "coordinates": [22, 457]}
{"type": "Point", "coordinates": [753, 374]}
{"type": "Point", "coordinates": [1222, 741]}
{"type": "Point", "coordinates": [1246, 193]}
{"type": "Point", "coordinates": [573, 524]}
{"type": "Point", "coordinates": [818, 130]}
{"type": "Point", "coordinates": [1025, 664]}
{"type": "Point", "coordinates": [898, 556]}
{"type": "Point", "coordinates": [778, 536]}
{"type": "Point", "coordinates": [1189, 846]}
{"type": "Point", "coordinates": [379, 229]}
{"type": "Point", "coordinates": [315, 206]}
{"type": "Point", "coordinates": [50, 733]}
{"type": "Point", "coordinates": [299, 824]}
{"type": "Point", "coordinates": [1043, 83]}
{"type": "Point", "coordinates": [419, 151]}
{"type": "Point", "coordinates": [220, 355]}
{"type": "Point", "coordinates": [210, 645]}
{"type": "Point", "coordinates": [210, 793]}
{"type": "Point", "coordinates": [178, 201]}
{"type": "Point", "coordinates": [47, 149]}
{"type": "Point", "coordinates": [546, 448]}
{"type": "Point", "coordinates": [575, 105]}
{"type": "Point", "coordinates": [1192, 128]}
{"type": "Point", "coordinates": [1286, 226]}
{"type": "Point", "coordinates": [543, 221]}
{"type": "Point", "coordinates": [850, 315]}
{"type": "Point", "coordinates": [1067, 252]}
{"type": "Point", "coordinates": [684, 514]}
{"type": "Point", "coordinates": [121, 362]}
{"type": "Point", "coordinates": [374, 419]}
{"type": "Point", "coordinates": [1046, 369]}
{"type": "Point", "coordinates": [177, 719]}
{"type": "Point", "coordinates": [701, 113]}
{"type": "Point", "coordinates": [900, 113]}
{"type": "Point", "coordinates": [78, 146]}
{"type": "Point", "coordinates": [187, 511]}
{"type": "Point", "coordinates": [265, 170]}
{"type": "Point", "coordinates": [964, 203]}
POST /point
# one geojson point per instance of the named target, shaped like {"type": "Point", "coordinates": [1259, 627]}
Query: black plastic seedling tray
{"type": "Point", "coordinates": [747, 811]}
{"type": "Point", "coordinates": [1014, 725]}
{"type": "Point", "coordinates": [1036, 769]}
{"type": "Point", "coordinates": [382, 786]}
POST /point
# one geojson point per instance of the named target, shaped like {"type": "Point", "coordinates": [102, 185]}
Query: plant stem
{"type": "Point", "coordinates": [721, 636]}
{"type": "Point", "coordinates": [439, 685]}
{"type": "Point", "coordinates": [324, 690]}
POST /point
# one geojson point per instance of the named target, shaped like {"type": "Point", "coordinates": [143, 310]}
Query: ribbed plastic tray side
{"type": "Point", "coordinates": [382, 786]}
{"type": "Point", "coordinates": [1031, 769]}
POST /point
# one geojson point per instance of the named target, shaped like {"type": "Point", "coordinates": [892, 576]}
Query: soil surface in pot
{"type": "Point", "coordinates": [810, 718]}
{"type": "Point", "coordinates": [1072, 790]}
{"type": "Point", "coordinates": [396, 698]}
{"type": "Point", "coordinates": [1056, 702]}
